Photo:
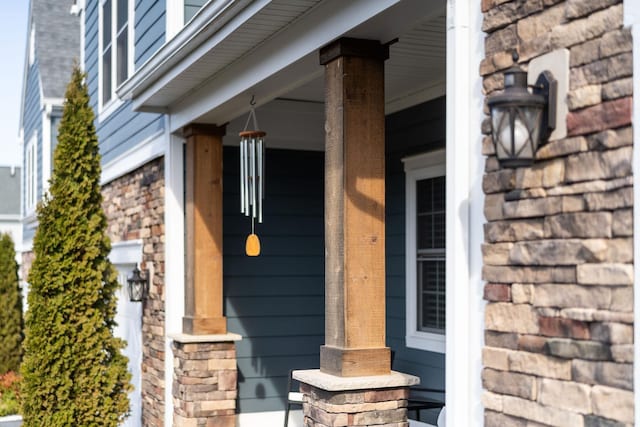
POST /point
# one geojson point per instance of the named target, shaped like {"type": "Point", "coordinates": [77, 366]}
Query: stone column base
{"type": "Point", "coordinates": [205, 380]}
{"type": "Point", "coordinates": [379, 401]}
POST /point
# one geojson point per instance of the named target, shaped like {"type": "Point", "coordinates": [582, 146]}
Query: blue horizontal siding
{"type": "Point", "coordinates": [125, 129]}
{"type": "Point", "coordinates": [276, 300]}
{"type": "Point", "coordinates": [412, 131]}
{"type": "Point", "coordinates": [32, 123]}
{"type": "Point", "coordinates": [150, 28]}
{"type": "Point", "coordinates": [91, 50]}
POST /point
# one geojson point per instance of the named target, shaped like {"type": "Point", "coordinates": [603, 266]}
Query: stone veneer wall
{"type": "Point", "coordinates": [205, 384]}
{"type": "Point", "coordinates": [134, 205]}
{"type": "Point", "coordinates": [558, 255]}
{"type": "Point", "coordinates": [383, 407]}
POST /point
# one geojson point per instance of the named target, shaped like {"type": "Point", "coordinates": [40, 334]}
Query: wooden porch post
{"type": "Point", "coordinates": [354, 209]}
{"type": "Point", "coordinates": [203, 168]}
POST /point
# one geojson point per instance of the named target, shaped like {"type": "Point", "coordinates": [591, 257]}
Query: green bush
{"type": "Point", "coordinates": [10, 308]}
{"type": "Point", "coordinates": [9, 393]}
{"type": "Point", "coordinates": [74, 373]}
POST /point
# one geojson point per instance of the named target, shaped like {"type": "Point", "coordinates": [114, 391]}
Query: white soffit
{"type": "Point", "coordinates": [274, 49]}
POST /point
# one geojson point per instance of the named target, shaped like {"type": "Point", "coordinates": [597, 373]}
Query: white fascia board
{"type": "Point", "coordinates": [298, 44]}
{"type": "Point", "coordinates": [632, 20]}
{"type": "Point", "coordinates": [166, 61]}
{"type": "Point", "coordinates": [465, 218]}
{"type": "Point", "coordinates": [130, 160]}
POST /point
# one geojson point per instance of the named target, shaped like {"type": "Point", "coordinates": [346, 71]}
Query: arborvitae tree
{"type": "Point", "coordinates": [74, 373]}
{"type": "Point", "coordinates": [10, 308]}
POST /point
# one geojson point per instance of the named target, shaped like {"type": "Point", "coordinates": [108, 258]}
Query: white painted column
{"type": "Point", "coordinates": [174, 254]}
{"type": "Point", "coordinates": [465, 218]}
{"type": "Point", "coordinates": [632, 20]}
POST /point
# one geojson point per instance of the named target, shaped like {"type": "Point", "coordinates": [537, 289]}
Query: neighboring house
{"type": "Point", "coordinates": [53, 44]}
{"type": "Point", "coordinates": [10, 218]}
{"type": "Point", "coordinates": [392, 238]}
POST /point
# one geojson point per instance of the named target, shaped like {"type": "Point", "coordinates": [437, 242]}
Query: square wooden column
{"type": "Point", "coordinates": [203, 168]}
{"type": "Point", "coordinates": [354, 209]}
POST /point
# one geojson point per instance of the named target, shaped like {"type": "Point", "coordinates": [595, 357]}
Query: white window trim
{"type": "Point", "coordinates": [174, 249]}
{"type": "Point", "coordinates": [31, 175]}
{"type": "Point", "coordinates": [175, 18]}
{"type": "Point", "coordinates": [421, 166]}
{"type": "Point", "coordinates": [114, 103]}
{"type": "Point", "coordinates": [32, 44]}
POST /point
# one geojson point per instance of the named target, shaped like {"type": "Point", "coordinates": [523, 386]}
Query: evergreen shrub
{"type": "Point", "coordinates": [10, 308]}
{"type": "Point", "coordinates": [74, 373]}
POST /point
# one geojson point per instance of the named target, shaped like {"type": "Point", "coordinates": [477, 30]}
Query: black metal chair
{"type": "Point", "coordinates": [421, 398]}
{"type": "Point", "coordinates": [294, 397]}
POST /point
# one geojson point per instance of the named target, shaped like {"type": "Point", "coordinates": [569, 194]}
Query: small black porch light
{"type": "Point", "coordinates": [521, 121]}
{"type": "Point", "coordinates": [137, 285]}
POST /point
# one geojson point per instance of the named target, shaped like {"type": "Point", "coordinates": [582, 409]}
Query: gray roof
{"type": "Point", "coordinates": [57, 43]}
{"type": "Point", "coordinates": [9, 190]}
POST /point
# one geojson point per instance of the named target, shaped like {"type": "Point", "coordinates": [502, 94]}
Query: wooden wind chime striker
{"type": "Point", "coordinates": [252, 150]}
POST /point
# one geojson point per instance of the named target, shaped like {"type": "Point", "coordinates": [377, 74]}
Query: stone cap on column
{"type": "Point", "coordinates": [328, 382]}
{"type": "Point", "coordinates": [188, 338]}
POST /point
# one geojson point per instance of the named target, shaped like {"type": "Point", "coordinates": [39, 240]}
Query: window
{"type": "Point", "coordinates": [116, 52]}
{"type": "Point", "coordinates": [425, 251]}
{"type": "Point", "coordinates": [31, 175]}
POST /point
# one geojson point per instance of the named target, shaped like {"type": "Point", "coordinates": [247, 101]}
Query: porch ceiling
{"type": "Point", "coordinates": [234, 49]}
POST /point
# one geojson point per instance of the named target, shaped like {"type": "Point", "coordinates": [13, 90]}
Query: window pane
{"type": "Point", "coordinates": [432, 301]}
{"type": "Point", "coordinates": [438, 188]}
{"type": "Point", "coordinates": [106, 24]}
{"type": "Point", "coordinates": [430, 239]}
{"type": "Point", "coordinates": [424, 201]}
{"type": "Point", "coordinates": [430, 221]}
{"type": "Point", "coordinates": [122, 14]}
{"type": "Point", "coordinates": [121, 60]}
{"type": "Point", "coordinates": [106, 76]}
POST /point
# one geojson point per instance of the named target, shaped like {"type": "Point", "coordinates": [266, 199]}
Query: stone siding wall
{"type": "Point", "coordinates": [205, 385]}
{"type": "Point", "coordinates": [382, 408]}
{"type": "Point", "coordinates": [134, 205]}
{"type": "Point", "coordinates": [558, 252]}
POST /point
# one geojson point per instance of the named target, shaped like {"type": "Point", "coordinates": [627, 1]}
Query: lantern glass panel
{"type": "Point", "coordinates": [502, 131]}
{"type": "Point", "coordinates": [135, 289]}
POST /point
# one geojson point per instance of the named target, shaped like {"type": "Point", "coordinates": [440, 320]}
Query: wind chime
{"type": "Point", "coordinates": [252, 151]}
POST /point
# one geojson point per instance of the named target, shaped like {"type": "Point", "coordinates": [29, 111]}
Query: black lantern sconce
{"type": "Point", "coordinates": [521, 121]}
{"type": "Point", "coordinates": [137, 285]}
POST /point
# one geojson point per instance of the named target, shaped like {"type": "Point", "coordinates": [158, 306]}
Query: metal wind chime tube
{"type": "Point", "coordinates": [252, 150]}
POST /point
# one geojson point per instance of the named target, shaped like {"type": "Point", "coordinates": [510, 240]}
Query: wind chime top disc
{"type": "Point", "coordinates": [252, 134]}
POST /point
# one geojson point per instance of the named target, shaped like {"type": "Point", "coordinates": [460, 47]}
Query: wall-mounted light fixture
{"type": "Point", "coordinates": [521, 121]}
{"type": "Point", "coordinates": [137, 285]}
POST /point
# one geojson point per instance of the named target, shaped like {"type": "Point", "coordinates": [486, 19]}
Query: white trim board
{"type": "Point", "coordinates": [422, 166]}
{"type": "Point", "coordinates": [631, 10]}
{"type": "Point", "coordinates": [465, 218]}
{"type": "Point", "coordinates": [174, 250]}
{"type": "Point", "coordinates": [126, 252]}
{"type": "Point", "coordinates": [142, 153]}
